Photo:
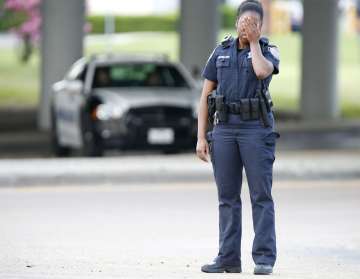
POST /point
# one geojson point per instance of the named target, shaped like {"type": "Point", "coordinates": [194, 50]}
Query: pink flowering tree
{"type": "Point", "coordinates": [29, 29]}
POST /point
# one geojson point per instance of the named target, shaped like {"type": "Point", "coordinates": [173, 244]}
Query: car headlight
{"type": "Point", "coordinates": [109, 111]}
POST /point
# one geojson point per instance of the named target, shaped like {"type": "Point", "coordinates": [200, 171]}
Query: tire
{"type": "Point", "coordinates": [57, 149]}
{"type": "Point", "coordinates": [92, 143]}
{"type": "Point", "coordinates": [171, 150]}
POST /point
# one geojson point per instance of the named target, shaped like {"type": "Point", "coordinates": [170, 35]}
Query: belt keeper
{"type": "Point", "coordinates": [234, 108]}
{"type": "Point", "coordinates": [231, 107]}
{"type": "Point", "coordinates": [245, 109]}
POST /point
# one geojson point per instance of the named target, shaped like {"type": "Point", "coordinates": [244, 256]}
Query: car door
{"type": "Point", "coordinates": [69, 101]}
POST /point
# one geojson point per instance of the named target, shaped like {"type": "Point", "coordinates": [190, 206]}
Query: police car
{"type": "Point", "coordinates": [122, 102]}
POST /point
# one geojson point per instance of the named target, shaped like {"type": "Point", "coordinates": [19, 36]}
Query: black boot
{"type": "Point", "coordinates": [217, 268]}
{"type": "Point", "coordinates": [263, 269]}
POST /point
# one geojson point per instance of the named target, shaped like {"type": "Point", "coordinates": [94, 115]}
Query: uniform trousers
{"type": "Point", "coordinates": [236, 145]}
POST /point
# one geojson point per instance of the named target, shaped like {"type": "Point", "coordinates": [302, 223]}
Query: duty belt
{"type": "Point", "coordinates": [247, 108]}
{"type": "Point", "coordinates": [246, 105]}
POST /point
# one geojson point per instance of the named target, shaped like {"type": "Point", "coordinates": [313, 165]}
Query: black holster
{"type": "Point", "coordinates": [265, 102]}
{"type": "Point", "coordinates": [221, 109]}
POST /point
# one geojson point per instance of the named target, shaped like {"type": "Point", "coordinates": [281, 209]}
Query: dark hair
{"type": "Point", "coordinates": [250, 5]}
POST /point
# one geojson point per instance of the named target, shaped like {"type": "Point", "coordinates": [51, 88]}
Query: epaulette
{"type": "Point", "coordinates": [227, 41]}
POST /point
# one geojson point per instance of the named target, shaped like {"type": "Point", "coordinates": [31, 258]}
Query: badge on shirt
{"type": "Point", "coordinates": [275, 52]}
{"type": "Point", "coordinates": [249, 55]}
{"type": "Point", "coordinates": [223, 57]}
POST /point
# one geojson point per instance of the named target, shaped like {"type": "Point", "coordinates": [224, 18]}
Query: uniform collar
{"type": "Point", "coordinates": [236, 46]}
{"type": "Point", "coordinates": [235, 43]}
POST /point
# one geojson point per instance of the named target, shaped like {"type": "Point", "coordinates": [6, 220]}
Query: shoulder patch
{"type": "Point", "coordinates": [211, 55]}
{"type": "Point", "coordinates": [275, 52]}
{"type": "Point", "coordinates": [264, 41]}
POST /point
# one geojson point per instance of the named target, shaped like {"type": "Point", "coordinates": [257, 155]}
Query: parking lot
{"type": "Point", "coordinates": [164, 230]}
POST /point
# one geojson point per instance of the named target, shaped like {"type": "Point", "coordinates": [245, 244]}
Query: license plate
{"type": "Point", "coordinates": [160, 136]}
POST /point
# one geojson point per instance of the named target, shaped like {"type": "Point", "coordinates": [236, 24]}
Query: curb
{"type": "Point", "coordinates": [158, 169]}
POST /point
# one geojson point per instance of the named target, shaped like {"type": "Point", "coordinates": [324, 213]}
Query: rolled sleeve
{"type": "Point", "coordinates": [272, 54]}
{"type": "Point", "coordinates": [209, 71]}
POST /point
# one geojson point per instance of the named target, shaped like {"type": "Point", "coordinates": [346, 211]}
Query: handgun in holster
{"type": "Point", "coordinates": [221, 114]}
{"type": "Point", "coordinates": [268, 101]}
{"type": "Point", "coordinates": [265, 102]}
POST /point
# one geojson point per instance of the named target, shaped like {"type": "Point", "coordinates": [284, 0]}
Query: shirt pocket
{"type": "Point", "coordinates": [222, 62]}
{"type": "Point", "coordinates": [223, 69]}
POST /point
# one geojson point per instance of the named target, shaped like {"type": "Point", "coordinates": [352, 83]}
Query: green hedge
{"type": "Point", "coordinates": [129, 23]}
{"type": "Point", "coordinates": [155, 23]}
{"type": "Point", "coordinates": [228, 16]}
{"type": "Point", "coordinates": [135, 23]}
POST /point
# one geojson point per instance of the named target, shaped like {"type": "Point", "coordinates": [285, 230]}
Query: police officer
{"type": "Point", "coordinates": [240, 70]}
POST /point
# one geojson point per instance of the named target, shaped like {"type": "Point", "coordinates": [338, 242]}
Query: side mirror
{"type": "Point", "coordinates": [75, 86]}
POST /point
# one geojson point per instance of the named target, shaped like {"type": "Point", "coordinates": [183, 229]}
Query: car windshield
{"type": "Point", "coordinates": [138, 75]}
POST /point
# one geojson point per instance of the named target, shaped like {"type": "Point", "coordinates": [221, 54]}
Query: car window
{"type": "Point", "coordinates": [138, 75]}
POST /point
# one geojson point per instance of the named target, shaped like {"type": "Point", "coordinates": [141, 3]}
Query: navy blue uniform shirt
{"type": "Point", "coordinates": [231, 68]}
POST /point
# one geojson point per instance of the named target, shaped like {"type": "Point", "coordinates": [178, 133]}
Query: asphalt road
{"type": "Point", "coordinates": [170, 230]}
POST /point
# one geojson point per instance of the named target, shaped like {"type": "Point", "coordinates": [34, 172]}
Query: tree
{"type": "Point", "coordinates": [29, 29]}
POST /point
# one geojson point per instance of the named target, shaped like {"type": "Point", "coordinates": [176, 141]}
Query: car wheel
{"type": "Point", "coordinates": [57, 149]}
{"type": "Point", "coordinates": [92, 143]}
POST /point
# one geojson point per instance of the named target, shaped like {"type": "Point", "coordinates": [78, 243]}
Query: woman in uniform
{"type": "Point", "coordinates": [243, 136]}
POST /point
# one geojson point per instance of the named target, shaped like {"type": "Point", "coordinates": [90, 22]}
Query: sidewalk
{"type": "Point", "coordinates": [150, 168]}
